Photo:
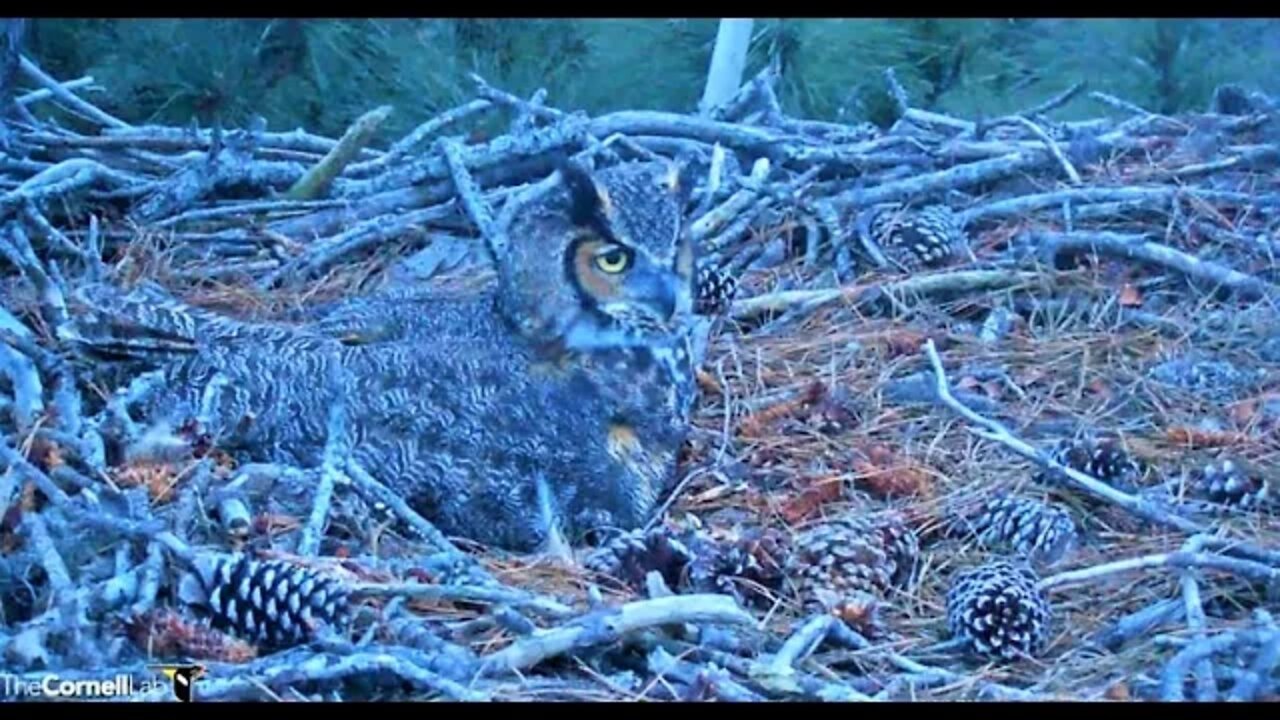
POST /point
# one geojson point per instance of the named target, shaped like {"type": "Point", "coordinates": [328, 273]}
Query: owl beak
{"type": "Point", "coordinates": [656, 289]}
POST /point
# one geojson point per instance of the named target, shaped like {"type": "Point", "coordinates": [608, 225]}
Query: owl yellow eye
{"type": "Point", "coordinates": [613, 260]}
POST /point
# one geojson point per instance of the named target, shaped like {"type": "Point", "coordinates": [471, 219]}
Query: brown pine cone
{"type": "Point", "coordinates": [748, 567]}
{"type": "Point", "coordinates": [631, 556]}
{"type": "Point", "coordinates": [836, 559]}
{"type": "Point", "coordinates": [1101, 459]}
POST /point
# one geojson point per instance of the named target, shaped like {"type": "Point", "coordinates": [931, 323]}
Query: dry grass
{"type": "Point", "coordinates": [794, 425]}
{"type": "Point", "coordinates": [1083, 368]}
{"type": "Point", "coordinates": [803, 418]}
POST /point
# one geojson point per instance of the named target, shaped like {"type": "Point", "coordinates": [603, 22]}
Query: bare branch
{"type": "Point", "coordinates": [36, 96]}
{"type": "Point", "coordinates": [361, 132]}
{"type": "Point", "coordinates": [998, 432]}
{"type": "Point", "coordinates": [64, 95]}
{"type": "Point", "coordinates": [611, 625]}
{"type": "Point", "coordinates": [1137, 247]}
{"type": "Point", "coordinates": [961, 281]}
{"type": "Point", "coordinates": [419, 135]}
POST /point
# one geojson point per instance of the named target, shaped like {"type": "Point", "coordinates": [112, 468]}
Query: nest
{"type": "Point", "coordinates": [1102, 278]}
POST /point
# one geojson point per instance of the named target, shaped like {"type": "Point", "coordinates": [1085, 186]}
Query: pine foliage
{"type": "Point", "coordinates": [322, 74]}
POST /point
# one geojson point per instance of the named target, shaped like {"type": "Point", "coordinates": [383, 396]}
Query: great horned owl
{"type": "Point", "coordinates": [556, 396]}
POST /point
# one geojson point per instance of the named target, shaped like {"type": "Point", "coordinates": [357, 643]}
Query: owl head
{"type": "Point", "coordinates": [602, 261]}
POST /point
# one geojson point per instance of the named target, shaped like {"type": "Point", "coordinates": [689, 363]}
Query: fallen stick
{"type": "Point", "coordinates": [45, 93]}
{"type": "Point", "coordinates": [47, 552]}
{"type": "Point", "coordinates": [337, 446]}
{"type": "Point", "coordinates": [796, 684]}
{"type": "Point", "coordinates": [1253, 158]}
{"type": "Point", "coordinates": [466, 593]}
{"type": "Point", "coordinates": [927, 118]}
{"type": "Point", "coordinates": [1138, 247]}
{"type": "Point", "coordinates": [1053, 147]}
{"type": "Point", "coordinates": [572, 132]}
{"type": "Point", "coordinates": [923, 285]}
{"type": "Point", "coordinates": [375, 491]}
{"type": "Point", "coordinates": [722, 214]}
{"type": "Point", "coordinates": [996, 431]}
{"type": "Point", "coordinates": [225, 167]}
{"type": "Point", "coordinates": [718, 681]}
{"type": "Point", "coordinates": [1157, 195]}
{"type": "Point", "coordinates": [320, 256]}
{"type": "Point", "coordinates": [762, 141]}
{"type": "Point", "coordinates": [608, 626]}
{"type": "Point", "coordinates": [802, 643]}
{"type": "Point", "coordinates": [1181, 559]}
{"type": "Point", "coordinates": [28, 390]}
{"type": "Point", "coordinates": [408, 143]}
{"type": "Point", "coordinates": [149, 578]}
{"type": "Point", "coordinates": [255, 681]}
{"type": "Point", "coordinates": [1120, 104]}
{"type": "Point", "coordinates": [469, 192]}
{"type": "Point", "coordinates": [1139, 623]}
{"type": "Point", "coordinates": [172, 138]}
{"type": "Point", "coordinates": [847, 636]}
{"type": "Point", "coordinates": [1171, 681]}
{"type": "Point", "coordinates": [249, 208]}
{"type": "Point", "coordinates": [55, 237]}
{"type": "Point", "coordinates": [502, 97]}
{"type": "Point", "coordinates": [316, 180]}
{"type": "Point", "coordinates": [17, 249]}
{"type": "Point", "coordinates": [1056, 101]}
{"type": "Point", "coordinates": [73, 101]}
{"type": "Point", "coordinates": [1193, 606]}
{"type": "Point", "coordinates": [60, 179]}
{"type": "Point", "coordinates": [1259, 678]}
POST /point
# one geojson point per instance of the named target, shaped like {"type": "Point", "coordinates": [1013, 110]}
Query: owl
{"type": "Point", "coordinates": [550, 403]}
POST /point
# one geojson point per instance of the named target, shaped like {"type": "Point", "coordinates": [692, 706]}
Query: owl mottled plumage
{"type": "Point", "coordinates": [573, 369]}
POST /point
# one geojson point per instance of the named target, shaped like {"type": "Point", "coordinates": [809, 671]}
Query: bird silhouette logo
{"type": "Point", "coordinates": [183, 678]}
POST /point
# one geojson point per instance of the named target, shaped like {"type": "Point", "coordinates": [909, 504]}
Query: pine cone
{"type": "Point", "coordinates": [829, 410]}
{"type": "Point", "coordinates": [633, 555]}
{"type": "Point", "coordinates": [998, 611]}
{"type": "Point", "coordinates": [928, 237]}
{"type": "Point", "coordinates": [1104, 460]}
{"type": "Point", "coordinates": [272, 603]}
{"type": "Point", "coordinates": [715, 291]}
{"type": "Point", "coordinates": [449, 568]}
{"type": "Point", "coordinates": [1039, 532]}
{"type": "Point", "coordinates": [757, 558]}
{"type": "Point", "coordinates": [861, 611]}
{"type": "Point", "coordinates": [1232, 483]}
{"type": "Point", "coordinates": [164, 633]}
{"type": "Point", "coordinates": [838, 558]}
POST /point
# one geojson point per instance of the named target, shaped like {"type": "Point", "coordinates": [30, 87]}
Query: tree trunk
{"type": "Point", "coordinates": [10, 51]}
{"type": "Point", "coordinates": [728, 61]}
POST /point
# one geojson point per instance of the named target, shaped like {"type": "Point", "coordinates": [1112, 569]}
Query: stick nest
{"type": "Point", "coordinates": [1115, 285]}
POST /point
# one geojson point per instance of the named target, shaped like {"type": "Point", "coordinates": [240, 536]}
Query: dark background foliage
{"type": "Point", "coordinates": [321, 74]}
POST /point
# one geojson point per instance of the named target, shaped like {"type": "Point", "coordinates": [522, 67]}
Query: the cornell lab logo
{"type": "Point", "coordinates": [183, 678]}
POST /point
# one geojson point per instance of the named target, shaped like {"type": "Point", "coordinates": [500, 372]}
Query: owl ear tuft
{"type": "Point", "coordinates": [587, 200]}
{"type": "Point", "coordinates": [684, 177]}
